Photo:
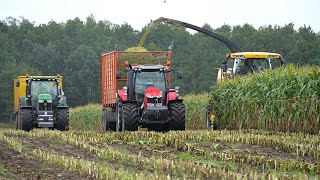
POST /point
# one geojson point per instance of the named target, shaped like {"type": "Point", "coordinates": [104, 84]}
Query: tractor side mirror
{"type": "Point", "coordinates": [224, 66]}
{"type": "Point", "coordinates": [61, 92]}
{"type": "Point", "coordinates": [179, 74]}
{"type": "Point", "coordinates": [118, 74]}
{"type": "Point", "coordinates": [17, 83]}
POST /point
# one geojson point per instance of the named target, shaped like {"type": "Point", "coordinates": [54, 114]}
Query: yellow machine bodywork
{"type": "Point", "coordinates": [230, 72]}
{"type": "Point", "coordinates": [253, 55]}
{"type": "Point", "coordinates": [21, 90]}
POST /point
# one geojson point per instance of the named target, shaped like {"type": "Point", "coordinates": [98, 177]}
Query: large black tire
{"type": "Point", "coordinates": [177, 118]}
{"type": "Point", "coordinates": [62, 119]}
{"type": "Point", "coordinates": [107, 116]}
{"type": "Point", "coordinates": [25, 119]}
{"type": "Point", "coordinates": [130, 114]}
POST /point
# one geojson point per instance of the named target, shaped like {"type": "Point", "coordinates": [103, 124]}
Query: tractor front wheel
{"type": "Point", "coordinates": [129, 113]}
{"type": "Point", "coordinates": [24, 120]}
{"type": "Point", "coordinates": [177, 118]}
{"type": "Point", "coordinates": [62, 119]}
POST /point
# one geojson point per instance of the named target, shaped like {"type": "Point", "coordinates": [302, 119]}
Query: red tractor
{"type": "Point", "coordinates": [141, 96]}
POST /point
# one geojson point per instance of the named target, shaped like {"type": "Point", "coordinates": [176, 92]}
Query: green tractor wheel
{"type": "Point", "coordinates": [62, 119]}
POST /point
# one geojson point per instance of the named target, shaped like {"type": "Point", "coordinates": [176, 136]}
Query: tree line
{"type": "Point", "coordinates": [73, 49]}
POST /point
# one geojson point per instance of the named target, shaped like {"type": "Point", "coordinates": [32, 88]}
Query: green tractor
{"type": "Point", "coordinates": [39, 102]}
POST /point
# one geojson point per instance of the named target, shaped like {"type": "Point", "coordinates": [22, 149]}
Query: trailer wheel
{"type": "Point", "coordinates": [177, 118]}
{"type": "Point", "coordinates": [108, 118]}
{"type": "Point", "coordinates": [25, 119]}
{"type": "Point", "coordinates": [130, 115]}
{"type": "Point", "coordinates": [62, 119]}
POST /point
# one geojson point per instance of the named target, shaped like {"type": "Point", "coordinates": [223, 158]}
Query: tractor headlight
{"type": "Point", "coordinates": [177, 90]}
{"type": "Point", "coordinates": [41, 101]}
{"type": "Point", "coordinates": [49, 101]}
{"type": "Point", "coordinates": [125, 90]}
{"type": "Point", "coordinates": [149, 96]}
{"type": "Point", "coordinates": [271, 57]}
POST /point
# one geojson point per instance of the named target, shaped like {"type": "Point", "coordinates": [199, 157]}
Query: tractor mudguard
{"type": "Point", "coordinates": [122, 96]}
{"type": "Point", "coordinates": [63, 101]}
{"type": "Point", "coordinates": [130, 102]}
{"type": "Point", "coordinates": [173, 101]}
{"type": "Point", "coordinates": [62, 107]}
{"type": "Point", "coordinates": [23, 102]}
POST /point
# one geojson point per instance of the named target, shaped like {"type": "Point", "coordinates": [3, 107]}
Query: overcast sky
{"type": "Point", "coordinates": [138, 13]}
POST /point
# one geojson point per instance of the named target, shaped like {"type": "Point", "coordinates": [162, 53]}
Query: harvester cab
{"type": "Point", "coordinates": [40, 103]}
{"type": "Point", "coordinates": [145, 98]}
{"type": "Point", "coordinates": [243, 63]}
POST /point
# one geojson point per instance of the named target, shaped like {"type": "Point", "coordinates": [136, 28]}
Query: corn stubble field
{"type": "Point", "coordinates": [262, 142]}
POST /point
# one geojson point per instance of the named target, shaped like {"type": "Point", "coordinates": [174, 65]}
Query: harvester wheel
{"type": "Point", "coordinates": [177, 118]}
{"type": "Point", "coordinates": [107, 116]}
{"type": "Point", "coordinates": [130, 115]}
{"type": "Point", "coordinates": [25, 119]}
{"type": "Point", "coordinates": [62, 119]}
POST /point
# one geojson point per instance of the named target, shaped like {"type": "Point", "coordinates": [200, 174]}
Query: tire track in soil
{"type": "Point", "coordinates": [72, 151]}
{"type": "Point", "coordinates": [240, 148]}
{"type": "Point", "coordinates": [17, 166]}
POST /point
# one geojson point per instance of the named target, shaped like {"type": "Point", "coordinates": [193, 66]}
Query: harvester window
{"type": "Point", "coordinates": [252, 65]}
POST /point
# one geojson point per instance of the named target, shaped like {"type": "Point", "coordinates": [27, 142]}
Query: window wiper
{"type": "Point", "coordinates": [38, 85]}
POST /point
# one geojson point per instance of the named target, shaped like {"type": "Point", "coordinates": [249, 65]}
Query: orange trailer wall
{"type": "Point", "coordinates": [108, 78]}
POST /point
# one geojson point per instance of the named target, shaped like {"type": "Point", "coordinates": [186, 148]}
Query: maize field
{"type": "Point", "coordinates": [197, 154]}
{"type": "Point", "coordinates": [286, 99]}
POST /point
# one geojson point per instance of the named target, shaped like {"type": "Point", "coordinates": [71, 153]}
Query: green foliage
{"type": "Point", "coordinates": [87, 117]}
{"type": "Point", "coordinates": [286, 99]}
{"type": "Point", "coordinates": [8, 73]}
{"type": "Point", "coordinates": [196, 105]}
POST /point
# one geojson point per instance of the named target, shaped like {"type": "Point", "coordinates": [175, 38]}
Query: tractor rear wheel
{"type": "Point", "coordinates": [177, 118]}
{"type": "Point", "coordinates": [62, 119]}
{"type": "Point", "coordinates": [108, 118]}
{"type": "Point", "coordinates": [25, 119]}
{"type": "Point", "coordinates": [129, 113]}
